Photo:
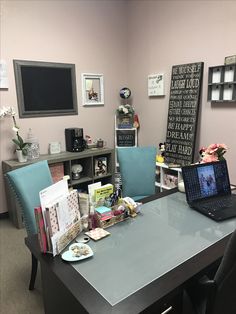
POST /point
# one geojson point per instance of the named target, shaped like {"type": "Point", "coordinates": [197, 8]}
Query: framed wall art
{"type": "Point", "coordinates": [92, 89]}
{"type": "Point", "coordinates": [3, 75]}
{"type": "Point", "coordinates": [156, 85]}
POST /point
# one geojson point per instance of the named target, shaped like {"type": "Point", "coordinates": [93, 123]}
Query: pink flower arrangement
{"type": "Point", "coordinates": [213, 152]}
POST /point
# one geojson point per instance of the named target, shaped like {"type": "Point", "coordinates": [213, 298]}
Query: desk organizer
{"type": "Point", "coordinates": [112, 221]}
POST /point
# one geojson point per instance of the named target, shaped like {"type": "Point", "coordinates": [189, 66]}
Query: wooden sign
{"type": "Point", "coordinates": [125, 138]}
{"type": "Point", "coordinates": [185, 90]}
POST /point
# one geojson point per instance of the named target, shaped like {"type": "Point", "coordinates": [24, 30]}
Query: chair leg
{"type": "Point", "coordinates": [33, 272]}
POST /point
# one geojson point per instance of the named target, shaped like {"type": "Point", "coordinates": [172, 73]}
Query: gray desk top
{"type": "Point", "coordinates": [141, 250]}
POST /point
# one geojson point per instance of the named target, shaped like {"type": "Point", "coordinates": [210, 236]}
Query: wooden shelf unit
{"type": "Point", "coordinates": [167, 178]}
{"type": "Point", "coordinates": [222, 83]}
{"type": "Point", "coordinates": [86, 158]}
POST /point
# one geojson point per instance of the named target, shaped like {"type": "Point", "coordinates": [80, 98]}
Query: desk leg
{"type": "Point", "coordinates": [56, 297]}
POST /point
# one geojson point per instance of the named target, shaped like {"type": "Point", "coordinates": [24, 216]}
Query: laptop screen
{"type": "Point", "coordinates": [206, 180]}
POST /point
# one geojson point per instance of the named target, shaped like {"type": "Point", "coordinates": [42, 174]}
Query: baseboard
{"type": "Point", "coordinates": [4, 215]}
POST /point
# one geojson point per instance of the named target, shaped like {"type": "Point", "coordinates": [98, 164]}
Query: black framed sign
{"type": "Point", "coordinates": [125, 138]}
{"type": "Point", "coordinates": [185, 91]}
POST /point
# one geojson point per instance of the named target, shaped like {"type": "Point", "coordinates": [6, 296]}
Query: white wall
{"type": "Point", "coordinates": [126, 41]}
{"type": "Point", "coordinates": [166, 33]}
{"type": "Point", "coordinates": [90, 34]}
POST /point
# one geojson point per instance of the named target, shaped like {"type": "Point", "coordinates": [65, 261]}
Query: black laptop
{"type": "Point", "coordinates": [208, 191]}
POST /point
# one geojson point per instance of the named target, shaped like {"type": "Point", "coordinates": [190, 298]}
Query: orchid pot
{"type": "Point", "coordinates": [20, 156]}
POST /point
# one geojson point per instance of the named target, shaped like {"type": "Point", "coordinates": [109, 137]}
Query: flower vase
{"type": "Point", "coordinates": [125, 121]}
{"type": "Point", "coordinates": [20, 156]}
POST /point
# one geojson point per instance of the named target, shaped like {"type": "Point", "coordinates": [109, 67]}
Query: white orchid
{"type": "Point", "coordinates": [20, 144]}
{"type": "Point", "coordinates": [7, 111]}
{"type": "Point", "coordinates": [125, 109]}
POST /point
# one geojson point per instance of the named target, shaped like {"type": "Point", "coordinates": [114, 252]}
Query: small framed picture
{"type": "Point", "coordinates": [92, 89]}
{"type": "Point", "coordinates": [156, 85]}
{"type": "Point", "coordinates": [100, 166]}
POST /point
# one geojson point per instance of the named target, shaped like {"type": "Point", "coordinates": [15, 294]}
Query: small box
{"type": "Point", "coordinates": [229, 74]}
{"type": "Point", "coordinates": [57, 171]}
{"type": "Point", "coordinates": [170, 181]}
{"type": "Point", "coordinates": [216, 75]}
{"type": "Point", "coordinates": [228, 92]}
{"type": "Point", "coordinates": [215, 93]}
{"type": "Point", "coordinates": [230, 60]}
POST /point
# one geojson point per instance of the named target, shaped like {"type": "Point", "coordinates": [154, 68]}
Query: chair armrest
{"type": "Point", "coordinates": [209, 289]}
{"type": "Point", "coordinates": [207, 284]}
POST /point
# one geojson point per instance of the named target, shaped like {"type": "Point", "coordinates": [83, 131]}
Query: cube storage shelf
{"type": "Point", "coordinates": [85, 158]}
{"type": "Point", "coordinates": [222, 83]}
{"type": "Point", "coordinates": [167, 178]}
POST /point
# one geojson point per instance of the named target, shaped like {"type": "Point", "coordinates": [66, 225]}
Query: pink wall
{"type": "Point", "coordinates": [166, 33]}
{"type": "Point", "coordinates": [126, 41]}
{"type": "Point", "coordinates": [90, 34]}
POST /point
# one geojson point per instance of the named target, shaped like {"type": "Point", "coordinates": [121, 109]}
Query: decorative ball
{"type": "Point", "coordinates": [125, 93]}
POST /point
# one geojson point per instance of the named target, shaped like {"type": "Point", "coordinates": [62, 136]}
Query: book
{"type": "Point", "coordinates": [103, 211]}
{"type": "Point", "coordinates": [91, 189]}
{"type": "Point", "coordinates": [51, 219]}
{"type": "Point", "coordinates": [100, 168]}
{"type": "Point", "coordinates": [41, 229]}
{"type": "Point", "coordinates": [103, 192]}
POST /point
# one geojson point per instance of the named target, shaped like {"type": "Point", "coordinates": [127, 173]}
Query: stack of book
{"type": "Point", "coordinates": [104, 212]}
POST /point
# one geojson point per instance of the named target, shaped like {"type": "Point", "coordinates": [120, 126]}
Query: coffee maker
{"type": "Point", "coordinates": [74, 140]}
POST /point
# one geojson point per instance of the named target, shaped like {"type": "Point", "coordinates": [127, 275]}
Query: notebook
{"type": "Point", "coordinates": [208, 191]}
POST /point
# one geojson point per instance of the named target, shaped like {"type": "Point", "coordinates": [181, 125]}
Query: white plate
{"type": "Point", "coordinates": [68, 255]}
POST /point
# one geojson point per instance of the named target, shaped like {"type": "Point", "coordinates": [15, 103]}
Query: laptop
{"type": "Point", "coordinates": [208, 191]}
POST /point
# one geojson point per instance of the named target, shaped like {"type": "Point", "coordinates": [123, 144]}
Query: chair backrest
{"type": "Point", "coordinates": [138, 171]}
{"type": "Point", "coordinates": [27, 182]}
{"type": "Point", "coordinates": [225, 278]}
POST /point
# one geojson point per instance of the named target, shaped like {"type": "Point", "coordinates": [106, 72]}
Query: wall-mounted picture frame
{"type": "Point", "coordinates": [92, 89]}
{"type": "Point", "coordinates": [3, 75]}
{"type": "Point", "coordinates": [156, 85]}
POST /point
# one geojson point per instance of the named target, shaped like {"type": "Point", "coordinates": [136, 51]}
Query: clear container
{"type": "Point", "coordinates": [33, 150]}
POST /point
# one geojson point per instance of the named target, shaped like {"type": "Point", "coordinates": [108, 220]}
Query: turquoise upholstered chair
{"type": "Point", "coordinates": [26, 183]}
{"type": "Point", "coordinates": [138, 171]}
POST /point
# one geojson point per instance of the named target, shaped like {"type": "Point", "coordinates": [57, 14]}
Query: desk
{"type": "Point", "coordinates": [144, 260]}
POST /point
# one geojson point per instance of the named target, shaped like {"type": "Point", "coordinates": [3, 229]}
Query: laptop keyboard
{"type": "Point", "coordinates": [218, 204]}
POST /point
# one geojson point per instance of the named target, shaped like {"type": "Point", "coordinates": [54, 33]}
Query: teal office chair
{"type": "Point", "coordinates": [26, 183]}
{"type": "Point", "coordinates": [138, 171]}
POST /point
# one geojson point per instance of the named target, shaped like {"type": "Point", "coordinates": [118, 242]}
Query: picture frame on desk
{"type": "Point", "coordinates": [92, 89]}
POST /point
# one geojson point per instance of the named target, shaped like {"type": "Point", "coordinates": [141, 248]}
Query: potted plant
{"type": "Point", "coordinates": [21, 148]}
{"type": "Point", "coordinates": [125, 116]}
